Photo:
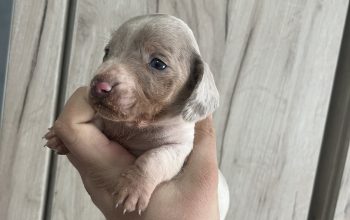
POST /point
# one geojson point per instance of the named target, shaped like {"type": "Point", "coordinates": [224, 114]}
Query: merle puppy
{"type": "Point", "coordinates": [151, 88]}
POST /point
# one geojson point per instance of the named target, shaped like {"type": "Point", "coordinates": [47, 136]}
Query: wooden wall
{"type": "Point", "coordinates": [36, 48]}
{"type": "Point", "coordinates": [274, 64]}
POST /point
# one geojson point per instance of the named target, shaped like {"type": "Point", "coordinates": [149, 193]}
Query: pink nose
{"type": "Point", "coordinates": [101, 89]}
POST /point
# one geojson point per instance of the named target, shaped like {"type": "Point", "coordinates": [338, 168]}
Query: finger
{"type": "Point", "coordinates": [77, 109]}
{"type": "Point", "coordinates": [54, 143]}
{"type": "Point", "coordinates": [87, 142]}
{"type": "Point", "coordinates": [72, 125]}
{"type": "Point", "coordinates": [199, 179]}
{"type": "Point", "coordinates": [49, 134]}
{"type": "Point", "coordinates": [204, 146]}
{"type": "Point", "coordinates": [82, 138]}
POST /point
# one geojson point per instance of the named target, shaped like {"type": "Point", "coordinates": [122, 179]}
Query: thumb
{"type": "Point", "coordinates": [202, 163]}
{"type": "Point", "coordinates": [83, 139]}
{"type": "Point", "coordinates": [74, 126]}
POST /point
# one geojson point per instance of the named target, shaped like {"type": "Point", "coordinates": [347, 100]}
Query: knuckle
{"type": "Point", "coordinates": [65, 132]}
{"type": "Point", "coordinates": [205, 132]}
{"type": "Point", "coordinates": [58, 126]}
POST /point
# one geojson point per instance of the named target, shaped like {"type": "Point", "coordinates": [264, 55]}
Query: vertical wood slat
{"type": "Point", "coordinates": [279, 66]}
{"type": "Point", "coordinates": [340, 200]}
{"type": "Point", "coordinates": [335, 145]}
{"type": "Point", "coordinates": [93, 23]}
{"type": "Point", "coordinates": [342, 210]}
{"type": "Point", "coordinates": [5, 28]}
{"type": "Point", "coordinates": [36, 42]}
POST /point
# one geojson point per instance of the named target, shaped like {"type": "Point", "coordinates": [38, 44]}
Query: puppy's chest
{"type": "Point", "coordinates": [138, 140]}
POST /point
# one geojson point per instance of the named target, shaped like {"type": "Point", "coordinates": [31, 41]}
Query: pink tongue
{"type": "Point", "coordinates": [103, 87]}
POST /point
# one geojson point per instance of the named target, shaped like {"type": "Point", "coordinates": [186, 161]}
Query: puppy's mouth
{"type": "Point", "coordinates": [113, 108]}
{"type": "Point", "coordinates": [109, 113]}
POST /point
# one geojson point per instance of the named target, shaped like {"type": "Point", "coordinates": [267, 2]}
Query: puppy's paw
{"type": "Point", "coordinates": [54, 143]}
{"type": "Point", "coordinates": [134, 190]}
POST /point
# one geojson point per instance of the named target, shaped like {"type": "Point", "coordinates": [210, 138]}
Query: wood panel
{"type": "Point", "coordinates": [5, 27]}
{"type": "Point", "coordinates": [207, 19]}
{"type": "Point", "coordinates": [279, 67]}
{"type": "Point", "coordinates": [342, 211]}
{"type": "Point", "coordinates": [93, 23]}
{"type": "Point", "coordinates": [335, 145]}
{"type": "Point", "coordinates": [36, 42]}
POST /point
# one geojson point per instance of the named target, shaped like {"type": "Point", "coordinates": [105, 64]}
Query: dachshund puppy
{"type": "Point", "coordinates": [151, 88]}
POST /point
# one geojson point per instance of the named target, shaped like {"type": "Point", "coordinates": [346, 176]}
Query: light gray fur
{"type": "Point", "coordinates": [163, 147]}
{"type": "Point", "coordinates": [204, 98]}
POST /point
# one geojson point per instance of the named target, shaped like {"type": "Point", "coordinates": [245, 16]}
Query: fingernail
{"type": "Point", "coordinates": [116, 206]}
{"type": "Point", "coordinates": [124, 211]}
{"type": "Point", "coordinates": [139, 212]}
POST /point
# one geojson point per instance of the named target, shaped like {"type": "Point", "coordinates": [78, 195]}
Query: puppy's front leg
{"type": "Point", "coordinates": [136, 184]}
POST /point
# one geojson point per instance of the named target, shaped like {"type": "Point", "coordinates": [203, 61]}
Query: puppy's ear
{"type": "Point", "coordinates": [204, 98]}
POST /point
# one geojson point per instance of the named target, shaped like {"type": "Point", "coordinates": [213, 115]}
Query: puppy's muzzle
{"type": "Point", "coordinates": [102, 85]}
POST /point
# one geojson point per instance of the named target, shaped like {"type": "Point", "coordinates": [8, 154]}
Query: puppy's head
{"type": "Point", "coordinates": [152, 68]}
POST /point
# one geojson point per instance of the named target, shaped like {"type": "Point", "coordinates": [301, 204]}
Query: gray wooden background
{"type": "Point", "coordinates": [275, 63]}
{"type": "Point", "coordinates": [5, 23]}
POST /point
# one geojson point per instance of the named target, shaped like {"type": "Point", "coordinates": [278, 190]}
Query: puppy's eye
{"type": "Point", "coordinates": [106, 53]}
{"type": "Point", "coordinates": [157, 64]}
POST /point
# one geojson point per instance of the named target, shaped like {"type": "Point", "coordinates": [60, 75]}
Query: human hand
{"type": "Point", "coordinates": [190, 195]}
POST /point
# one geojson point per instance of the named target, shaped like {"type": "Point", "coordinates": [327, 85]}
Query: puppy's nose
{"type": "Point", "coordinates": [101, 89]}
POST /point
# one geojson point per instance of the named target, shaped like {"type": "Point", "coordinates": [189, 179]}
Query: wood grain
{"type": "Point", "coordinates": [94, 21]}
{"type": "Point", "coordinates": [340, 200]}
{"type": "Point", "coordinates": [342, 211]}
{"type": "Point", "coordinates": [274, 63]}
{"type": "Point", "coordinates": [36, 42]}
{"type": "Point", "coordinates": [331, 175]}
{"type": "Point", "coordinates": [279, 67]}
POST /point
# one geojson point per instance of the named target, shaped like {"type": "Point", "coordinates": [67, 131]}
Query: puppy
{"type": "Point", "coordinates": [148, 93]}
